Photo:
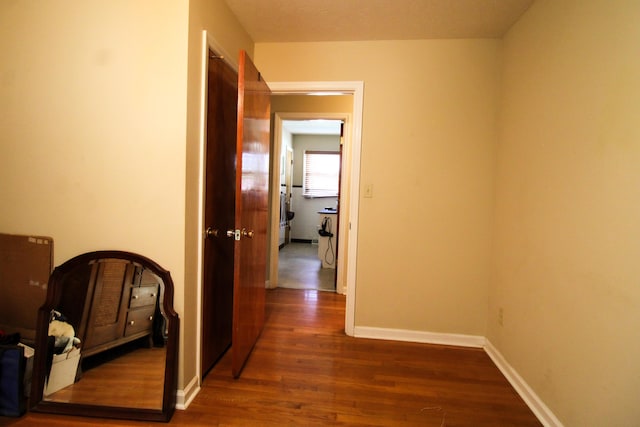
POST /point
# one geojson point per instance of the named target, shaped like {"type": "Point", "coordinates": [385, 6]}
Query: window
{"type": "Point", "coordinates": [321, 174]}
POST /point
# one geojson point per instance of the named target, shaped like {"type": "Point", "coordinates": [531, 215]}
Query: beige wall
{"type": "Point", "coordinates": [567, 241]}
{"type": "Point", "coordinates": [427, 148]}
{"type": "Point", "coordinates": [100, 126]}
{"type": "Point", "coordinates": [92, 118]}
{"type": "Point", "coordinates": [222, 26]}
{"type": "Point", "coordinates": [93, 126]}
{"type": "Point", "coordinates": [311, 104]}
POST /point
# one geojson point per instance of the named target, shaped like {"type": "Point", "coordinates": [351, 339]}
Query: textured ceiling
{"type": "Point", "coordinates": [347, 20]}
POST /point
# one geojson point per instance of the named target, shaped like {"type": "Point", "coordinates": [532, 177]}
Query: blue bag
{"type": "Point", "coordinates": [12, 363]}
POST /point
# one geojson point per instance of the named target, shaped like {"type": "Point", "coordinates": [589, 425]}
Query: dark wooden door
{"type": "Point", "coordinates": [219, 211]}
{"type": "Point", "coordinates": [252, 188]}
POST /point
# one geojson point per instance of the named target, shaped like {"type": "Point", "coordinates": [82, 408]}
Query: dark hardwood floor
{"type": "Point", "coordinates": [132, 378]}
{"type": "Point", "coordinates": [305, 371]}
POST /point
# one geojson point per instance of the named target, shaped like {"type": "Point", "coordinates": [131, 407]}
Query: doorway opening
{"type": "Point", "coordinates": [310, 172]}
{"type": "Point", "coordinates": [349, 186]}
{"type": "Point", "coordinates": [315, 253]}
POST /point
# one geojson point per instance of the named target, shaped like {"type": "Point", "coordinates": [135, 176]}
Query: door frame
{"type": "Point", "coordinates": [355, 88]}
{"type": "Point", "coordinates": [288, 186]}
{"type": "Point", "coordinates": [352, 161]}
{"type": "Point", "coordinates": [208, 43]}
{"type": "Point", "coordinates": [345, 172]}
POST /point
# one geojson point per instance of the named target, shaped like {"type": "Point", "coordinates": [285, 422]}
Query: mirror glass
{"type": "Point", "coordinates": [106, 341]}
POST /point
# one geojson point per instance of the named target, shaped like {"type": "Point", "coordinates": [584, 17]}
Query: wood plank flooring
{"type": "Point", "coordinates": [132, 378]}
{"type": "Point", "coordinates": [305, 371]}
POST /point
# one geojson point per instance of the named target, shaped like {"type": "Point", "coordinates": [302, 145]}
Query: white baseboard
{"type": "Point", "coordinates": [419, 336]}
{"type": "Point", "coordinates": [537, 406]}
{"type": "Point", "coordinates": [533, 401]}
{"type": "Point", "coordinates": [185, 397]}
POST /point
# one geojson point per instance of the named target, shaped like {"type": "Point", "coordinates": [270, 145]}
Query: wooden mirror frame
{"type": "Point", "coordinates": [54, 292]}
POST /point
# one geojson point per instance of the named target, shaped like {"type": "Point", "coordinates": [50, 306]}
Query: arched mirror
{"type": "Point", "coordinates": [107, 339]}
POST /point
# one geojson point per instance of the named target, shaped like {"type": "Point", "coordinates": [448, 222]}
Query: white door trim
{"type": "Point", "coordinates": [355, 88]}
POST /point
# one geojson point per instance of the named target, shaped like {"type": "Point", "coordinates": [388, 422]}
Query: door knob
{"type": "Point", "coordinates": [237, 234]}
{"type": "Point", "coordinates": [211, 232]}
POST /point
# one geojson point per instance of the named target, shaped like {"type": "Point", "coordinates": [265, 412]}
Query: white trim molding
{"type": "Point", "coordinates": [459, 340]}
{"type": "Point", "coordinates": [533, 401]}
{"type": "Point", "coordinates": [185, 397]}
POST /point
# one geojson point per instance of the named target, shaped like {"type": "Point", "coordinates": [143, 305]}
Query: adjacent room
{"type": "Point", "coordinates": [307, 256]}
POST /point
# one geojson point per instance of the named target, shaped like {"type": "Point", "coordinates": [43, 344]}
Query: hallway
{"type": "Point", "coordinates": [300, 268]}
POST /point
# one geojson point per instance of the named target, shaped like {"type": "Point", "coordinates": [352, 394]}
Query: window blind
{"type": "Point", "coordinates": [321, 173]}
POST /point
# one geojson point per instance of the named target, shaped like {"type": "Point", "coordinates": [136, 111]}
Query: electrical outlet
{"type": "Point", "coordinates": [500, 316]}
